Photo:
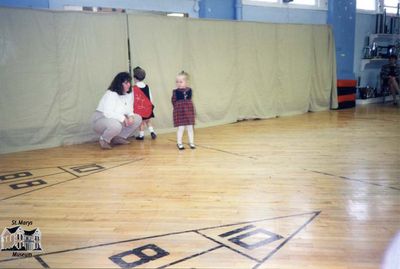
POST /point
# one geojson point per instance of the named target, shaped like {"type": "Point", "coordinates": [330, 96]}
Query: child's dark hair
{"type": "Point", "coordinates": [139, 73]}
{"type": "Point", "coordinates": [393, 56]}
{"type": "Point", "coordinates": [116, 84]}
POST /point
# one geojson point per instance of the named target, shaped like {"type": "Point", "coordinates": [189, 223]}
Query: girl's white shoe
{"type": "Point", "coordinates": [180, 146]}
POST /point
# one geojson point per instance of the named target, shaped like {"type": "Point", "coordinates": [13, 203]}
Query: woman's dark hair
{"type": "Point", "coordinates": [116, 84]}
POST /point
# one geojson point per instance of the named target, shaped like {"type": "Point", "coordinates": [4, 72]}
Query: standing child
{"type": "Point", "coordinates": [183, 109]}
{"type": "Point", "coordinates": [143, 102]}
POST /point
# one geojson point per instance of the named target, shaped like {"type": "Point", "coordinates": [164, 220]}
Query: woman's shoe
{"type": "Point", "coordinates": [180, 146]}
{"type": "Point", "coordinates": [120, 141]}
{"type": "Point", "coordinates": [104, 144]}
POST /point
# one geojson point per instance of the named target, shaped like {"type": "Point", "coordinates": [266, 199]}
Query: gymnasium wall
{"type": "Point", "coordinates": [284, 15]}
{"type": "Point", "coordinates": [55, 66]}
{"type": "Point", "coordinates": [185, 6]}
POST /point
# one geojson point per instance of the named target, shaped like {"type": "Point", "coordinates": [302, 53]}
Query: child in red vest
{"type": "Point", "coordinates": [143, 102]}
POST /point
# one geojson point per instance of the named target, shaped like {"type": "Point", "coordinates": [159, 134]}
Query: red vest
{"type": "Point", "coordinates": [141, 105]}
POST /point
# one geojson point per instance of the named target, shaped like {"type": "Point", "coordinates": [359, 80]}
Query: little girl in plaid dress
{"type": "Point", "coordinates": [183, 110]}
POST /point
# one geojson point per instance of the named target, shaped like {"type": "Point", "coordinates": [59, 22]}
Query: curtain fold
{"type": "Point", "coordinates": [54, 68]}
{"type": "Point", "coordinates": [91, 50]}
{"type": "Point", "coordinates": [28, 80]}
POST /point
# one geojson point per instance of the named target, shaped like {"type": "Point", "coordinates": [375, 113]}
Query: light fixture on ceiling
{"type": "Point", "coordinates": [175, 14]}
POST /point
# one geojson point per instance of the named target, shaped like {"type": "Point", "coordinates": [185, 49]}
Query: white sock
{"type": "Point", "coordinates": [141, 133]}
{"type": "Point", "coordinates": [190, 133]}
{"type": "Point", "coordinates": [151, 129]}
{"type": "Point", "coordinates": [179, 134]}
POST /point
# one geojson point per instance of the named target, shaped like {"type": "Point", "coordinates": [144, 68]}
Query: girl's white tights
{"type": "Point", "coordinates": [190, 132]}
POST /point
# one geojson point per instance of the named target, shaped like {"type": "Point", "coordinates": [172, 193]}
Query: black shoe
{"type": "Point", "coordinates": [153, 135]}
{"type": "Point", "coordinates": [192, 146]}
{"type": "Point", "coordinates": [139, 137]}
{"type": "Point", "coordinates": [180, 146]}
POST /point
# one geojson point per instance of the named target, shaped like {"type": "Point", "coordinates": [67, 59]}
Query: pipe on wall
{"type": "Point", "coordinates": [238, 10]}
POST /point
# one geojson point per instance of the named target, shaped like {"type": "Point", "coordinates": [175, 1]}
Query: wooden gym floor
{"type": "Point", "coordinates": [319, 190]}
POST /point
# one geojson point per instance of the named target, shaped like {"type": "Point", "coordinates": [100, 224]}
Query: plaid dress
{"type": "Point", "coordinates": [183, 107]}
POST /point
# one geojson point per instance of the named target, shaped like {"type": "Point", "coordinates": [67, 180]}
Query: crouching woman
{"type": "Point", "coordinates": [114, 119]}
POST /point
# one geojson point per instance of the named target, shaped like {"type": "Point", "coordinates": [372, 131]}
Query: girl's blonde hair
{"type": "Point", "coordinates": [184, 74]}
